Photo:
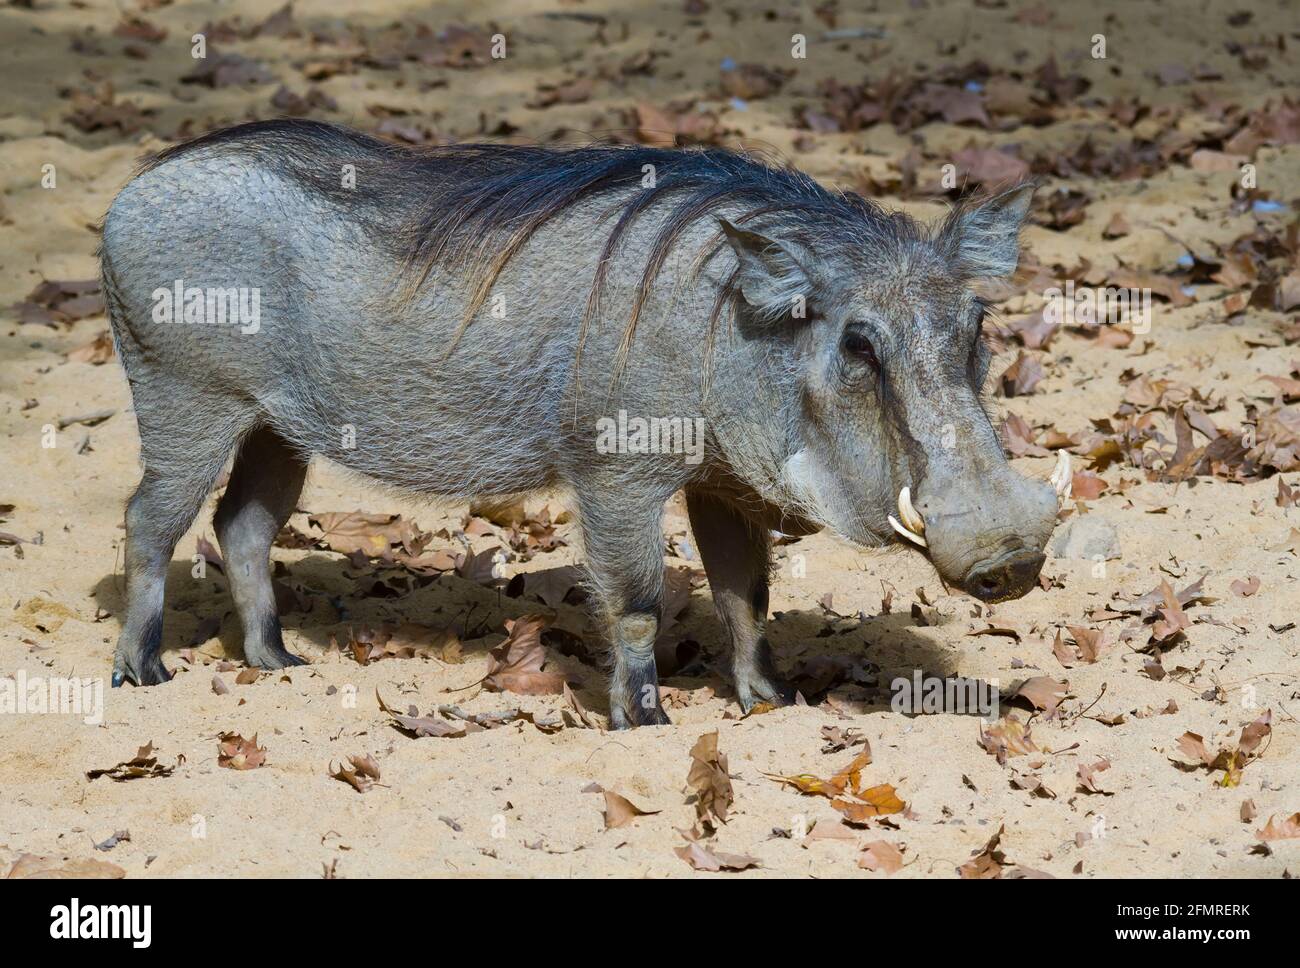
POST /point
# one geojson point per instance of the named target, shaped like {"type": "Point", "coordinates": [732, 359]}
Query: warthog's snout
{"type": "Point", "coordinates": [1007, 576]}
{"type": "Point", "coordinates": [986, 538]}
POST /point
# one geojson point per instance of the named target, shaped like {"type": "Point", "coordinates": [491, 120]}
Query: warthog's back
{"type": "Point", "coordinates": [274, 270]}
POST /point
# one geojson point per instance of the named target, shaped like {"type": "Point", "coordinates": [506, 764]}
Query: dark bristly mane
{"type": "Point", "coordinates": [477, 204]}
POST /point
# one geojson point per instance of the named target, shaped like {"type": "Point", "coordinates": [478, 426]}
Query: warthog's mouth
{"type": "Point", "coordinates": [1005, 577]}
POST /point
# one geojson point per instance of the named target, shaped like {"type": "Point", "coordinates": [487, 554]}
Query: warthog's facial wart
{"type": "Point", "coordinates": [799, 480]}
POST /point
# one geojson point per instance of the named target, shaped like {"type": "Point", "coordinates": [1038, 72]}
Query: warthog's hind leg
{"type": "Point", "coordinates": [264, 487]}
{"type": "Point", "coordinates": [624, 550]}
{"type": "Point", "coordinates": [183, 451]}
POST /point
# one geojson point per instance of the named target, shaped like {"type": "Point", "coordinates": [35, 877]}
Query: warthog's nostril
{"type": "Point", "coordinates": [1007, 577]}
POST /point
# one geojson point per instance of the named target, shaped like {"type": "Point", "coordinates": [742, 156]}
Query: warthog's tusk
{"type": "Point", "coordinates": [909, 535]}
{"type": "Point", "coordinates": [909, 515]}
{"type": "Point", "coordinates": [913, 525]}
{"type": "Point", "coordinates": [1062, 479]}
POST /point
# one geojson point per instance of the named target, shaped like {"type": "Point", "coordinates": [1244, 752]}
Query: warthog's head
{"type": "Point", "coordinates": [887, 434]}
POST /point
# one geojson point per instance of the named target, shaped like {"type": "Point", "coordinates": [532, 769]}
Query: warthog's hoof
{"type": "Point", "coordinates": [764, 689]}
{"type": "Point", "coordinates": [275, 659]}
{"type": "Point", "coordinates": [138, 671]}
{"type": "Point", "coordinates": [620, 718]}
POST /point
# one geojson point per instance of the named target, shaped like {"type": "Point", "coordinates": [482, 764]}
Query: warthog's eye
{"type": "Point", "coordinates": [980, 356]}
{"type": "Point", "coordinates": [857, 345]}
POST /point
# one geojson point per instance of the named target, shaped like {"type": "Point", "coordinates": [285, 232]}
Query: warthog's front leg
{"type": "Point", "coordinates": [736, 555]}
{"type": "Point", "coordinates": [624, 550]}
{"type": "Point", "coordinates": [634, 682]}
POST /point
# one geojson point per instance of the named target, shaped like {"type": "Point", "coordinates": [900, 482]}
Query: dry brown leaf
{"type": "Point", "coordinates": [1065, 654]}
{"type": "Point", "coordinates": [1088, 775]}
{"type": "Point", "coordinates": [236, 753]}
{"type": "Point", "coordinates": [1245, 588]}
{"type": "Point", "coordinates": [365, 765]}
{"type": "Point", "coordinates": [876, 801]}
{"type": "Point", "coordinates": [848, 779]}
{"type": "Point", "coordinates": [417, 725]}
{"type": "Point", "coordinates": [709, 781]}
{"type": "Point", "coordinates": [1086, 486]}
{"type": "Point", "coordinates": [620, 811]}
{"type": "Point", "coordinates": [1021, 377]}
{"type": "Point", "coordinates": [1117, 227]}
{"type": "Point", "coordinates": [1285, 829]}
{"type": "Point", "coordinates": [358, 779]}
{"type": "Point", "coordinates": [482, 567]}
{"type": "Point", "coordinates": [348, 532]}
{"type": "Point", "coordinates": [144, 764]}
{"type": "Point", "coordinates": [516, 664]}
{"type": "Point", "coordinates": [987, 862]}
{"type": "Point", "coordinates": [1042, 692]}
{"type": "Point", "coordinates": [830, 831]}
{"type": "Point", "coordinates": [578, 709]}
{"type": "Point", "coordinates": [703, 859]}
{"type": "Point", "coordinates": [1173, 620]}
{"type": "Point", "coordinates": [1193, 747]}
{"type": "Point", "coordinates": [880, 855]}
{"type": "Point", "coordinates": [1007, 737]}
{"type": "Point", "coordinates": [552, 585]}
{"type": "Point", "coordinates": [1253, 733]}
{"type": "Point", "coordinates": [1089, 643]}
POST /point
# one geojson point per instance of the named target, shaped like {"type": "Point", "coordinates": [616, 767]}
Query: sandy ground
{"type": "Point", "coordinates": [513, 800]}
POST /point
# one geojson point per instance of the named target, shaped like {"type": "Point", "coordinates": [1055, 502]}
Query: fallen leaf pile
{"type": "Point", "coordinates": [845, 791]}
{"type": "Point", "coordinates": [1232, 760]}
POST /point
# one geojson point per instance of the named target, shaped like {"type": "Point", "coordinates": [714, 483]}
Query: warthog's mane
{"type": "Point", "coordinates": [477, 205]}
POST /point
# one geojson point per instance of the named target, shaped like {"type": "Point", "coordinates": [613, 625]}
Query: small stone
{"type": "Point", "coordinates": [1087, 537]}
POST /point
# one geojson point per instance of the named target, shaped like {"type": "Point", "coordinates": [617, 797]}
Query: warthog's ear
{"type": "Point", "coordinates": [984, 240]}
{"type": "Point", "coordinates": [772, 277]}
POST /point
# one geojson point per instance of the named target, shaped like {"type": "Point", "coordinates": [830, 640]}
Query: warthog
{"type": "Point", "coordinates": [461, 322]}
